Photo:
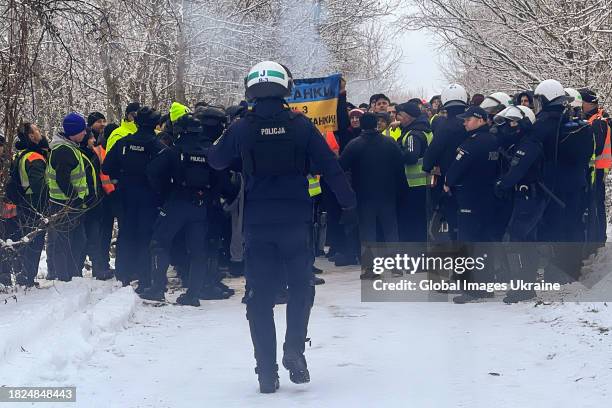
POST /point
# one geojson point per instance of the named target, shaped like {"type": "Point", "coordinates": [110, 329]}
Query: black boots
{"type": "Point", "coordinates": [295, 362]}
{"type": "Point", "coordinates": [213, 292]}
{"type": "Point", "coordinates": [268, 380]}
{"type": "Point", "coordinates": [186, 299]}
{"type": "Point", "coordinates": [153, 294]}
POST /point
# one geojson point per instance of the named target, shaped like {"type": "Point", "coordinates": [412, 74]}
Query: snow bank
{"type": "Point", "coordinates": [49, 333]}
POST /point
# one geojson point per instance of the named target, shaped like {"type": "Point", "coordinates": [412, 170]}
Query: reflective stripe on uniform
{"type": "Point", "coordinates": [77, 175]}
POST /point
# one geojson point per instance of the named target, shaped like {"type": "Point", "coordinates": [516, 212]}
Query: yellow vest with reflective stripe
{"type": "Point", "coordinates": [314, 185]}
{"type": "Point", "coordinates": [23, 174]}
{"type": "Point", "coordinates": [394, 133]}
{"type": "Point", "coordinates": [414, 172]}
{"type": "Point", "coordinates": [126, 128]}
{"type": "Point", "coordinates": [78, 179]}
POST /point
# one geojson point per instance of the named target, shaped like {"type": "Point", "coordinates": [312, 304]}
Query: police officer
{"type": "Point", "coordinates": [185, 166]}
{"type": "Point", "coordinates": [224, 189]}
{"type": "Point", "coordinates": [415, 137]}
{"type": "Point", "coordinates": [568, 146]}
{"type": "Point", "coordinates": [471, 179]}
{"type": "Point", "coordinates": [472, 176]}
{"type": "Point", "coordinates": [506, 137]}
{"type": "Point", "coordinates": [495, 103]}
{"type": "Point", "coordinates": [448, 136]}
{"type": "Point", "coordinates": [601, 164]}
{"type": "Point", "coordinates": [127, 163]}
{"type": "Point", "coordinates": [27, 189]}
{"type": "Point", "coordinates": [276, 146]}
{"type": "Point", "coordinates": [520, 183]}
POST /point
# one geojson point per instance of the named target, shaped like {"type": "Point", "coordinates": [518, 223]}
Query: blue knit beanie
{"type": "Point", "coordinates": [74, 123]}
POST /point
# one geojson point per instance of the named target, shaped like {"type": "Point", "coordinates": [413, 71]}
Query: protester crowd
{"type": "Point", "coordinates": [528, 167]}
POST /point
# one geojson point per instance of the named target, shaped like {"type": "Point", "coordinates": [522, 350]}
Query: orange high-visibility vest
{"type": "Point", "coordinates": [603, 160]}
{"type": "Point", "coordinates": [107, 184]}
{"type": "Point", "coordinates": [330, 138]}
{"type": "Point", "coordinates": [8, 211]}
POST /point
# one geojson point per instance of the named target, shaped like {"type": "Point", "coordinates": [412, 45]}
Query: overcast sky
{"type": "Point", "coordinates": [419, 66]}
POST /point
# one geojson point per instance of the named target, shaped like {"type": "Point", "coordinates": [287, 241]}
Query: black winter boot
{"type": "Point", "coordinates": [268, 380]}
{"type": "Point", "coordinates": [295, 362]}
{"type": "Point", "coordinates": [186, 299]}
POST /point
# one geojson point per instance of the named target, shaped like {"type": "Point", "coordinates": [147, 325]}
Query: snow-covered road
{"type": "Point", "coordinates": [122, 353]}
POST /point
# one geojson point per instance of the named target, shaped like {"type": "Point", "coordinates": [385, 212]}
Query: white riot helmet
{"type": "Point", "coordinates": [268, 79]}
{"type": "Point", "coordinates": [577, 102]}
{"type": "Point", "coordinates": [549, 93]}
{"type": "Point", "coordinates": [454, 95]}
{"type": "Point", "coordinates": [515, 114]}
{"type": "Point", "coordinates": [496, 102]}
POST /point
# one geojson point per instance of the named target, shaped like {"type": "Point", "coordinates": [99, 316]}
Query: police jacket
{"type": "Point", "coordinates": [182, 171]}
{"type": "Point", "coordinates": [277, 149]}
{"type": "Point", "coordinates": [376, 166]}
{"type": "Point", "coordinates": [448, 135]}
{"type": "Point", "coordinates": [127, 161]}
{"type": "Point", "coordinates": [526, 159]}
{"type": "Point", "coordinates": [567, 149]}
{"type": "Point", "coordinates": [475, 166]}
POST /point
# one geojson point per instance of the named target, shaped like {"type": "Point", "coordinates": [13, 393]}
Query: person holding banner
{"type": "Point", "coordinates": [277, 148]}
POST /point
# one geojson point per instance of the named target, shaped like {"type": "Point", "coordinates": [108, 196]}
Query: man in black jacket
{"type": "Point", "coordinates": [377, 176]}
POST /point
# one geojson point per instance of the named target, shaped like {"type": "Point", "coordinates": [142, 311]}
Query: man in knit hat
{"type": "Point", "coordinates": [69, 189]}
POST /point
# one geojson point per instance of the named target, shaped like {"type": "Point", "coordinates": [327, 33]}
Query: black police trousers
{"type": "Point", "coordinates": [522, 254]}
{"type": "Point", "coordinates": [277, 254]}
{"type": "Point", "coordinates": [180, 213]}
{"type": "Point", "coordinates": [564, 229]}
{"type": "Point", "coordinates": [139, 211]}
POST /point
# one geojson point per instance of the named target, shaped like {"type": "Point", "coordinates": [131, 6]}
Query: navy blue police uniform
{"type": "Point", "coordinates": [471, 179]}
{"type": "Point", "coordinates": [568, 147]}
{"type": "Point", "coordinates": [275, 147]}
{"type": "Point", "coordinates": [448, 135]}
{"type": "Point", "coordinates": [127, 163]}
{"type": "Point", "coordinates": [521, 181]}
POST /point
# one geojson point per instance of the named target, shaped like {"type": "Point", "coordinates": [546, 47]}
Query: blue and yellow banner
{"type": "Point", "coordinates": [317, 98]}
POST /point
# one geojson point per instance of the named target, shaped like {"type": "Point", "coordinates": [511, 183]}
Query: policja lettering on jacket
{"type": "Point", "coordinates": [273, 131]}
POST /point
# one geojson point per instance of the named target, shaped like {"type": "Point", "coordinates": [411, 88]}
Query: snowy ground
{"type": "Point", "coordinates": [120, 352]}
